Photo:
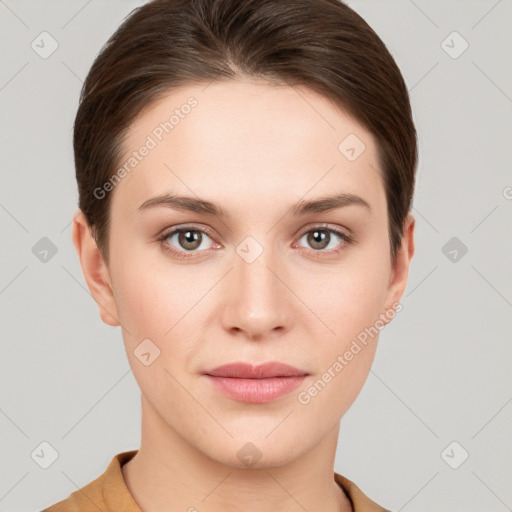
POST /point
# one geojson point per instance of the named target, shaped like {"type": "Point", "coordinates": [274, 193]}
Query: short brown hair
{"type": "Point", "coordinates": [321, 44]}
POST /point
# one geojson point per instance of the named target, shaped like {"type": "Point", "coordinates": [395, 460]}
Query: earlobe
{"type": "Point", "coordinates": [95, 270]}
{"type": "Point", "coordinates": [400, 267]}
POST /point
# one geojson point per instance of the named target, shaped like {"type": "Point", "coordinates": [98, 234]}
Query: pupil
{"type": "Point", "coordinates": [318, 237]}
{"type": "Point", "coordinates": [190, 239]}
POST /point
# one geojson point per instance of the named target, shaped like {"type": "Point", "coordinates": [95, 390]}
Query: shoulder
{"type": "Point", "coordinates": [88, 498]}
{"type": "Point", "coordinates": [360, 501]}
{"type": "Point", "coordinates": [104, 493]}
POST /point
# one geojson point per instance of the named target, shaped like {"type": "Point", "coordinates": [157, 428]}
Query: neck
{"type": "Point", "coordinates": [169, 473]}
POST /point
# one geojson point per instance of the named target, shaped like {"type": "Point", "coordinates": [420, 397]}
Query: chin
{"type": "Point", "coordinates": [255, 454]}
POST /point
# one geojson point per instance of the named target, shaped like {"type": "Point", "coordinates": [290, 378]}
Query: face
{"type": "Point", "coordinates": [270, 280]}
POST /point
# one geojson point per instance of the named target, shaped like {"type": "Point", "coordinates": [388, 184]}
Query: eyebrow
{"type": "Point", "coordinates": [192, 204]}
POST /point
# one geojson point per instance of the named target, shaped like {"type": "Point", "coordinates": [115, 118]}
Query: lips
{"type": "Point", "coordinates": [249, 371]}
{"type": "Point", "coordinates": [255, 384]}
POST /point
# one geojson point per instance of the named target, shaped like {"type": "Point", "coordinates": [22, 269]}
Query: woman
{"type": "Point", "coordinates": [245, 174]}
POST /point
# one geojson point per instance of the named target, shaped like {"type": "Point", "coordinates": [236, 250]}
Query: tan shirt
{"type": "Point", "coordinates": [109, 493]}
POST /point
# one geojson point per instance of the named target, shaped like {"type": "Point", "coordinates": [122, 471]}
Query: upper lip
{"type": "Point", "coordinates": [250, 371]}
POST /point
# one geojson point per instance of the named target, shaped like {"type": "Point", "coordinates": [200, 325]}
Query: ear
{"type": "Point", "coordinates": [94, 268]}
{"type": "Point", "coordinates": [400, 267]}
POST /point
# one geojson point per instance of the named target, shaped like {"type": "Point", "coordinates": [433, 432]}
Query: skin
{"type": "Point", "coordinates": [255, 149]}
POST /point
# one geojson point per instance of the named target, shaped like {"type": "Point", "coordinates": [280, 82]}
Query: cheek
{"type": "Point", "coordinates": [351, 304]}
{"type": "Point", "coordinates": [156, 303]}
{"type": "Point", "coordinates": [153, 295]}
{"type": "Point", "coordinates": [350, 300]}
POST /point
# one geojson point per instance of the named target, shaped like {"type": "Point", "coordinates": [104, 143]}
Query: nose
{"type": "Point", "coordinates": [257, 301]}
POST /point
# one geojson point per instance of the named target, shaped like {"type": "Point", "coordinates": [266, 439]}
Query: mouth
{"type": "Point", "coordinates": [255, 384]}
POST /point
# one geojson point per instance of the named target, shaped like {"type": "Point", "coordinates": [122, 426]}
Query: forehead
{"type": "Point", "coordinates": [246, 140]}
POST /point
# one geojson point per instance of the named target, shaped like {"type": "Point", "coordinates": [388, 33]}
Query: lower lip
{"type": "Point", "coordinates": [256, 391]}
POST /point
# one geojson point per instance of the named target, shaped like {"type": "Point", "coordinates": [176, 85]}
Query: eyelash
{"type": "Point", "coordinates": [346, 240]}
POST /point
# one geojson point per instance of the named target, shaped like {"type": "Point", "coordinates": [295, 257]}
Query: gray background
{"type": "Point", "coordinates": [442, 370]}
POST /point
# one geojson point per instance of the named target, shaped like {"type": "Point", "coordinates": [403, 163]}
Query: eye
{"type": "Point", "coordinates": [189, 241]}
{"type": "Point", "coordinates": [323, 239]}
{"type": "Point", "coordinates": [186, 240]}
